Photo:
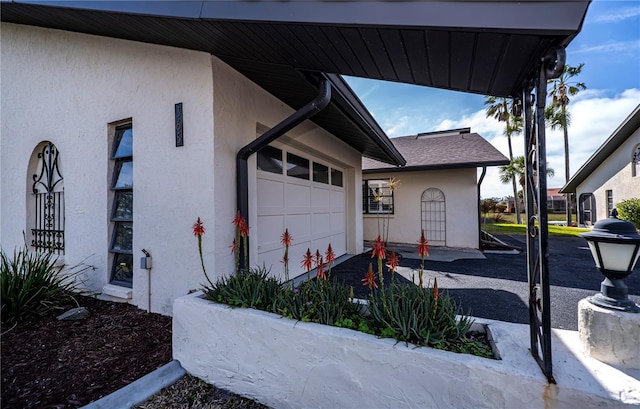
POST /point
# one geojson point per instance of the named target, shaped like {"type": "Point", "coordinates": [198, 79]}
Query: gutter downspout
{"type": "Point", "coordinates": [484, 172]}
{"type": "Point", "coordinates": [242, 170]}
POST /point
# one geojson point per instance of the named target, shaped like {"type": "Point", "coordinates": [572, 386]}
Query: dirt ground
{"type": "Point", "coordinates": [66, 364]}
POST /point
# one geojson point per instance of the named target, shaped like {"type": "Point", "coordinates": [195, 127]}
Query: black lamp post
{"type": "Point", "coordinates": [615, 247]}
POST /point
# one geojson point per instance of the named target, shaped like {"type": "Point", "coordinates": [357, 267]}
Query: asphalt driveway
{"type": "Point", "coordinates": [496, 287]}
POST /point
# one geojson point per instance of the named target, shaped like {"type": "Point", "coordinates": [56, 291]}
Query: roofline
{"type": "Point", "coordinates": [621, 134]}
{"type": "Point", "coordinates": [347, 96]}
{"type": "Point", "coordinates": [464, 165]}
{"type": "Point", "coordinates": [504, 15]}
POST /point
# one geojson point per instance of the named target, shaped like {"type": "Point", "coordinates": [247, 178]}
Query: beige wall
{"type": "Point", "coordinates": [242, 111]}
{"type": "Point", "coordinates": [71, 88]}
{"type": "Point", "coordinates": [613, 174]}
{"type": "Point", "coordinates": [460, 189]}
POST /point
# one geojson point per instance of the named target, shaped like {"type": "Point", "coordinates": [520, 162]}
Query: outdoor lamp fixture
{"type": "Point", "coordinates": [615, 247]}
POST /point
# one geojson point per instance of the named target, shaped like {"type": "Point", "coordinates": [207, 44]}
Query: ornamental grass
{"type": "Point", "coordinates": [407, 313]}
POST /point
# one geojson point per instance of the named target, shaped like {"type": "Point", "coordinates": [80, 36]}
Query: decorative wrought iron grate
{"type": "Point", "coordinates": [48, 229]}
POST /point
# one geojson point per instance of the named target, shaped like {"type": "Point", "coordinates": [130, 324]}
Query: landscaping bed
{"type": "Point", "coordinates": [67, 364]}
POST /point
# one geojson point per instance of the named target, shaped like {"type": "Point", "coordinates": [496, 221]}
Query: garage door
{"type": "Point", "coordinates": [306, 196]}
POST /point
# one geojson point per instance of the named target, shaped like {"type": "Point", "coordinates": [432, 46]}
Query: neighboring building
{"type": "Point", "coordinates": [122, 122]}
{"type": "Point", "coordinates": [610, 175]}
{"type": "Point", "coordinates": [555, 202]}
{"type": "Point", "coordinates": [438, 189]}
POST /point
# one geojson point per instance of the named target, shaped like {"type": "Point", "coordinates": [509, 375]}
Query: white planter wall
{"type": "Point", "coordinates": [288, 364]}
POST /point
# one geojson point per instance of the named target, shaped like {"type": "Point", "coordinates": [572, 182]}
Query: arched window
{"type": "Point", "coordinates": [434, 220]}
{"type": "Point", "coordinates": [46, 205]}
{"type": "Point", "coordinates": [635, 161]}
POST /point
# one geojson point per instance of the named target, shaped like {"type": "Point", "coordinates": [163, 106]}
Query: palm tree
{"type": "Point", "coordinates": [516, 169]}
{"type": "Point", "coordinates": [500, 109]}
{"type": "Point", "coordinates": [557, 115]}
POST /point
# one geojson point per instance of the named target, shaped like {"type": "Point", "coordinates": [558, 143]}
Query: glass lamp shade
{"type": "Point", "coordinates": [620, 257]}
{"type": "Point", "coordinates": [615, 247]}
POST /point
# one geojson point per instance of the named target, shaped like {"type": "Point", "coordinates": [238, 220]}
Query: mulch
{"type": "Point", "coordinates": [48, 363]}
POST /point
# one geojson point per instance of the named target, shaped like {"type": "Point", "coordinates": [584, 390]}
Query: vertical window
{"type": "Point", "coordinates": [635, 161]}
{"type": "Point", "coordinates": [121, 245]}
{"type": "Point", "coordinates": [377, 196]}
{"type": "Point", "coordinates": [609, 201]}
{"type": "Point", "coordinates": [47, 230]}
{"type": "Point", "coordinates": [297, 167]}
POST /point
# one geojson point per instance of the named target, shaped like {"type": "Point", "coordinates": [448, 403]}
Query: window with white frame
{"type": "Point", "coordinates": [47, 230]}
{"type": "Point", "coordinates": [377, 196]}
{"type": "Point", "coordinates": [121, 246]}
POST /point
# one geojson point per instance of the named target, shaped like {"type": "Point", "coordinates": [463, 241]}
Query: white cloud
{"type": "Point", "coordinates": [612, 46]}
{"type": "Point", "coordinates": [398, 127]}
{"type": "Point", "coordinates": [594, 117]}
{"type": "Point", "coordinates": [617, 16]}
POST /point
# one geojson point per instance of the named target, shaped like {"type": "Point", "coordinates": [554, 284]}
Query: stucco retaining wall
{"type": "Point", "coordinates": [288, 364]}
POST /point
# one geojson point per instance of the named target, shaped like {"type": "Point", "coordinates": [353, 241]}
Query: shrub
{"type": "Point", "coordinates": [321, 301]}
{"type": "Point", "coordinates": [248, 289]}
{"type": "Point", "coordinates": [630, 210]}
{"type": "Point", "coordinates": [32, 285]}
{"type": "Point", "coordinates": [418, 315]}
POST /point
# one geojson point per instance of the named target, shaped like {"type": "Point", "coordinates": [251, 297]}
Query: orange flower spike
{"type": "Point", "coordinates": [244, 228]}
{"type": "Point", "coordinates": [285, 239]}
{"type": "Point", "coordinates": [393, 261]}
{"type": "Point", "coordinates": [307, 261]}
{"type": "Point", "coordinates": [378, 249]}
{"type": "Point", "coordinates": [234, 247]}
{"type": "Point", "coordinates": [198, 228]}
{"type": "Point", "coordinates": [330, 256]}
{"type": "Point", "coordinates": [370, 278]}
{"type": "Point", "coordinates": [318, 258]}
{"type": "Point", "coordinates": [237, 221]}
{"type": "Point", "coordinates": [436, 293]}
{"type": "Point", "coordinates": [320, 274]}
{"type": "Point", "coordinates": [423, 246]}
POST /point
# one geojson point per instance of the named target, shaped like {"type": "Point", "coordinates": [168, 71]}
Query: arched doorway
{"type": "Point", "coordinates": [433, 215]}
{"type": "Point", "coordinates": [587, 209]}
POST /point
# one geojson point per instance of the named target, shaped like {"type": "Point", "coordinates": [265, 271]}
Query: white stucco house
{"type": "Point", "coordinates": [122, 122]}
{"type": "Point", "coordinates": [438, 191]}
{"type": "Point", "coordinates": [610, 175]}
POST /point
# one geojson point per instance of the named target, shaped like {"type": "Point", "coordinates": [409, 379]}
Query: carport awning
{"type": "Point", "coordinates": [485, 47]}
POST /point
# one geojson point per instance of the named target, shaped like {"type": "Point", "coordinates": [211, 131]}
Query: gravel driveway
{"type": "Point", "coordinates": [496, 287]}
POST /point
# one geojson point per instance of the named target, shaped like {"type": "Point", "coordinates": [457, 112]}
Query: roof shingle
{"type": "Point", "coordinates": [441, 151]}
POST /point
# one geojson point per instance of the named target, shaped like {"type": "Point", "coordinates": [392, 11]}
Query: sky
{"type": "Point", "coordinates": [609, 47]}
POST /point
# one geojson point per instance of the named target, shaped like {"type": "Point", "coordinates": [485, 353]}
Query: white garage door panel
{"type": "Point", "coordinates": [338, 222]}
{"type": "Point", "coordinates": [337, 200]}
{"type": "Point", "coordinates": [321, 224]}
{"type": "Point", "coordinates": [270, 193]}
{"type": "Point", "coordinates": [268, 226]}
{"type": "Point", "coordinates": [299, 225]}
{"type": "Point", "coordinates": [297, 196]}
{"type": "Point", "coordinates": [321, 199]}
{"type": "Point", "coordinates": [314, 213]}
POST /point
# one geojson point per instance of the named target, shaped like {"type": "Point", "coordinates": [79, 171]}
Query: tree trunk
{"type": "Point", "coordinates": [516, 202]}
{"type": "Point", "coordinates": [568, 197]}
